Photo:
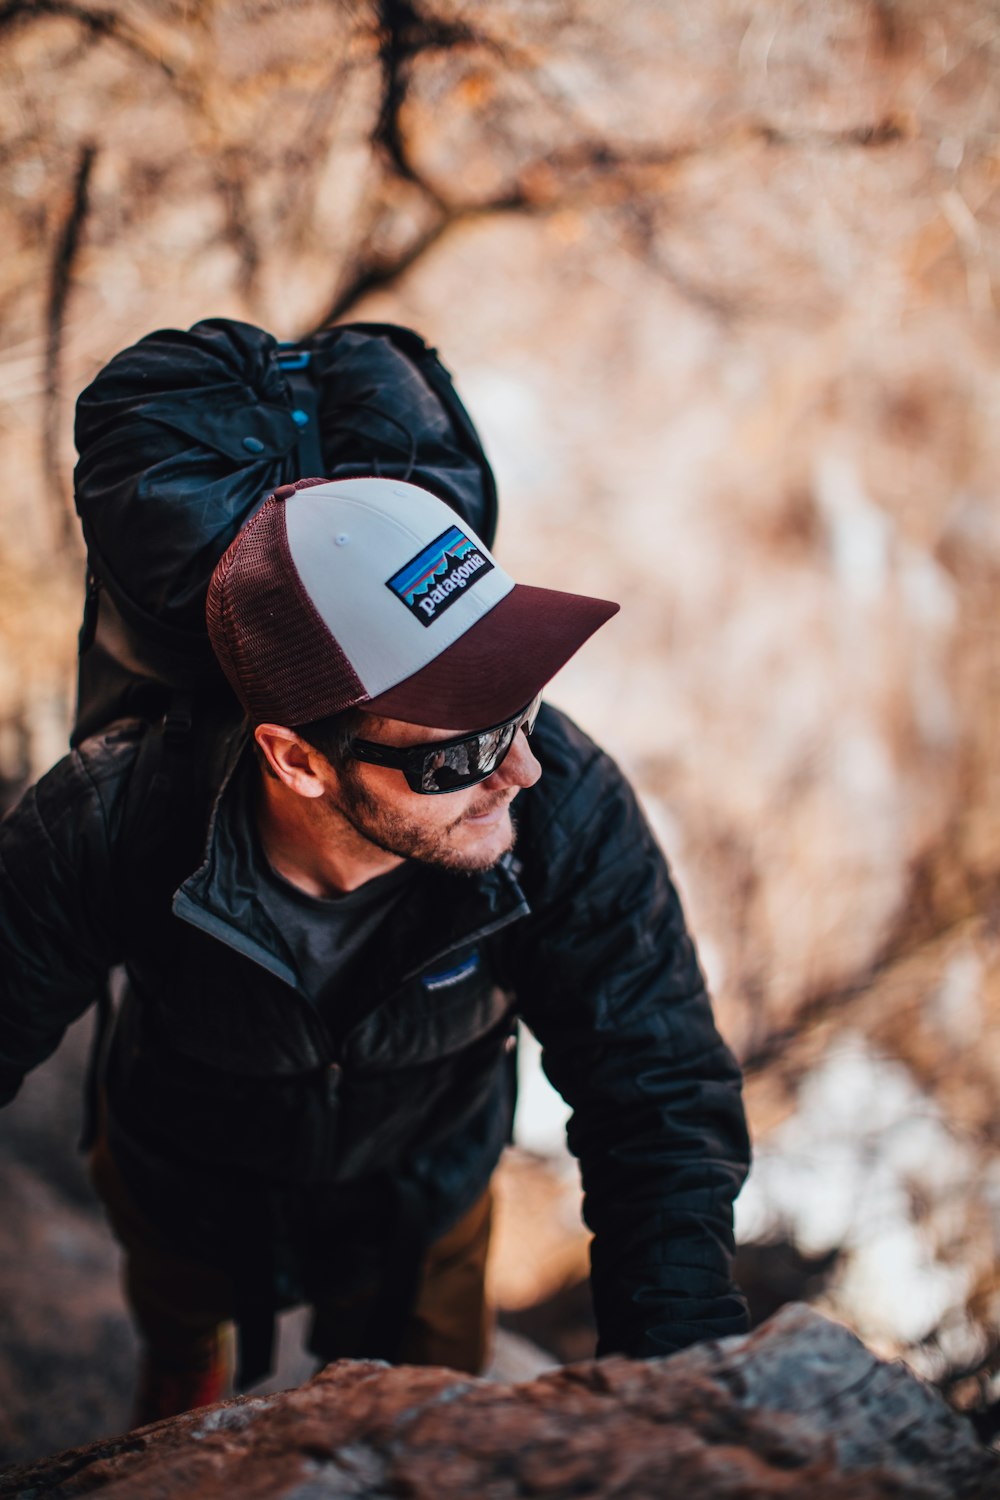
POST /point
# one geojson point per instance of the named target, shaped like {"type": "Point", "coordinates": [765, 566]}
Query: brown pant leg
{"type": "Point", "coordinates": [452, 1323]}
{"type": "Point", "coordinates": [181, 1306]}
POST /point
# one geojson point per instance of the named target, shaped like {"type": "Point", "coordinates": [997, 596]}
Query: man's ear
{"type": "Point", "coordinates": [295, 763]}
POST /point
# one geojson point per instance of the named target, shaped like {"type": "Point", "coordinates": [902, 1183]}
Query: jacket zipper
{"type": "Point", "coordinates": [477, 936]}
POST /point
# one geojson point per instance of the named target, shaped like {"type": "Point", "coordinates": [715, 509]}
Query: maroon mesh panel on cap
{"type": "Point", "coordinates": [282, 661]}
{"type": "Point", "coordinates": [499, 664]}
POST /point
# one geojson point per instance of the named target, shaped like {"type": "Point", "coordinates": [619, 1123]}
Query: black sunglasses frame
{"type": "Point", "coordinates": [412, 760]}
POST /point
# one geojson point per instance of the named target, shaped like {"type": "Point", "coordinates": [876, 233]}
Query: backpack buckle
{"type": "Point", "coordinates": [178, 722]}
{"type": "Point", "coordinates": [290, 358]}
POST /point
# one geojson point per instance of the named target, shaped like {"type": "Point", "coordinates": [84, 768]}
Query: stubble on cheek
{"type": "Point", "coordinates": [438, 844]}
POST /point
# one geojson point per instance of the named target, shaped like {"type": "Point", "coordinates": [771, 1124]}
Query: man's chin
{"type": "Point", "coordinates": [479, 841]}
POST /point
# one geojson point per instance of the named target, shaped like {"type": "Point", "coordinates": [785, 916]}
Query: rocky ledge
{"type": "Point", "coordinates": [799, 1408]}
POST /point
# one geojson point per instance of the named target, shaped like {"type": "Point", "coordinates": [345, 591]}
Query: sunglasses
{"type": "Point", "coordinates": [450, 765]}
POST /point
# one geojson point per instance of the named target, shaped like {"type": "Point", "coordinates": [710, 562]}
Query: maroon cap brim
{"type": "Point", "coordinates": [499, 664]}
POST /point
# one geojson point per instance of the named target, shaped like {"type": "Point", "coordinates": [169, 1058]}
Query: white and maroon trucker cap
{"type": "Point", "coordinates": [374, 593]}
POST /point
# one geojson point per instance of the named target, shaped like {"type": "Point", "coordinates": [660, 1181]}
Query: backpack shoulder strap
{"type": "Point", "coordinates": [156, 782]}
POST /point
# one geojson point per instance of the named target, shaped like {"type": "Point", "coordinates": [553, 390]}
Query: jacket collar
{"type": "Point", "coordinates": [446, 913]}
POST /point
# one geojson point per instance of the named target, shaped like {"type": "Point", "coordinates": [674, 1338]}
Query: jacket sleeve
{"type": "Point", "coordinates": [608, 980]}
{"type": "Point", "coordinates": [56, 923]}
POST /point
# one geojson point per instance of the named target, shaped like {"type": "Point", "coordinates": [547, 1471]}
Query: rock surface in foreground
{"type": "Point", "coordinates": [799, 1408]}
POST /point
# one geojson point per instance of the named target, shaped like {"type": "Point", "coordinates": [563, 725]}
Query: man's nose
{"type": "Point", "coordinates": [519, 768]}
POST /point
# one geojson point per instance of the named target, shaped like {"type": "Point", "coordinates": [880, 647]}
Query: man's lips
{"type": "Point", "coordinates": [491, 813]}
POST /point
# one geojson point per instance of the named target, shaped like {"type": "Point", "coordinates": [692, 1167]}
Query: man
{"type": "Point", "coordinates": [329, 926]}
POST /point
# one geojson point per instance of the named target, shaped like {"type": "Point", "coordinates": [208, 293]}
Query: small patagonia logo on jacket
{"type": "Point", "coordinates": [448, 977]}
{"type": "Point", "coordinates": [432, 581]}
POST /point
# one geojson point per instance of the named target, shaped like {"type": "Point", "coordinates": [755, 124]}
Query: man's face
{"type": "Point", "coordinates": [463, 831]}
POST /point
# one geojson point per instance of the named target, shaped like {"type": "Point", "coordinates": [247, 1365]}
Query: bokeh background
{"type": "Point", "coordinates": [717, 284]}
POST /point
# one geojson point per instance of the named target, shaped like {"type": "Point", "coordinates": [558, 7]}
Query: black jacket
{"type": "Point", "coordinates": [226, 1088]}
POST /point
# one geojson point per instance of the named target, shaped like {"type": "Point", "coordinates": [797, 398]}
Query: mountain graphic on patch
{"type": "Point", "coordinates": [431, 582]}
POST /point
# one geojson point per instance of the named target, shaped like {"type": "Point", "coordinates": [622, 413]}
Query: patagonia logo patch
{"type": "Point", "coordinates": [449, 977]}
{"type": "Point", "coordinates": [432, 581]}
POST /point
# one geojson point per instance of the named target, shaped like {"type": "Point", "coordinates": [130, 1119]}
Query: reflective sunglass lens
{"type": "Point", "coordinates": [445, 770]}
{"type": "Point", "coordinates": [468, 762]}
{"type": "Point", "coordinates": [472, 758]}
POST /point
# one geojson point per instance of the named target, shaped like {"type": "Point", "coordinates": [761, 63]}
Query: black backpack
{"type": "Point", "coordinates": [183, 436]}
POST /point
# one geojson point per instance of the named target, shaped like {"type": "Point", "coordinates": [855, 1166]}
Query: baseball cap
{"type": "Point", "coordinates": [374, 593]}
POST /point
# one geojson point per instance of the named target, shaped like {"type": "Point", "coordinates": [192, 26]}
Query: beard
{"type": "Point", "coordinates": [395, 834]}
